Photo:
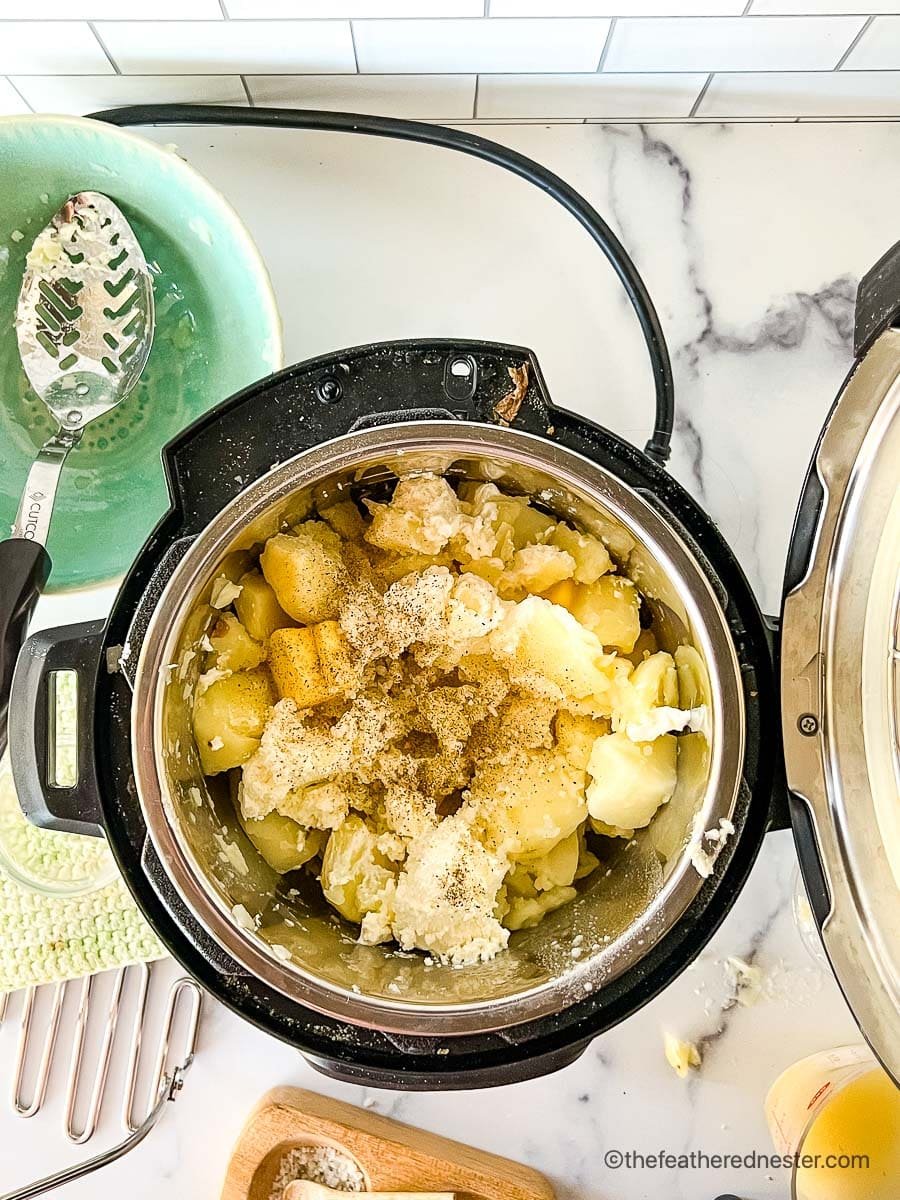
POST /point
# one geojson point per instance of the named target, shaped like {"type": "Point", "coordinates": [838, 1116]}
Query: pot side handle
{"type": "Point", "coordinates": [47, 797]}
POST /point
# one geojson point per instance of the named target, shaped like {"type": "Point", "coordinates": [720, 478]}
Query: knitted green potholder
{"type": "Point", "coordinates": [48, 937]}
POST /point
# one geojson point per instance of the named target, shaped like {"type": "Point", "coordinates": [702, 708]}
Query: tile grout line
{"type": "Point", "coordinates": [840, 62]}
{"type": "Point", "coordinates": [353, 44]}
{"type": "Point", "coordinates": [605, 51]}
{"type": "Point", "coordinates": [24, 99]}
{"type": "Point", "coordinates": [332, 74]}
{"type": "Point", "coordinates": [250, 99]}
{"type": "Point", "coordinates": [747, 8]}
{"type": "Point", "coordinates": [814, 17]}
{"type": "Point", "coordinates": [112, 62]}
{"type": "Point", "coordinates": [225, 16]}
{"type": "Point", "coordinates": [701, 94]}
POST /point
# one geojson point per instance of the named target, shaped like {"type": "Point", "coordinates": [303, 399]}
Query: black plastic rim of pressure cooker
{"type": "Point", "coordinates": [658, 446]}
{"type": "Point", "coordinates": [387, 383]}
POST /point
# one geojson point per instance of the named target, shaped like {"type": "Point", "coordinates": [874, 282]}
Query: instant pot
{"type": "Point", "coordinates": [804, 717]}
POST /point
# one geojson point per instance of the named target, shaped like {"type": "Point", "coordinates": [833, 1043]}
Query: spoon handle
{"type": "Point", "coordinates": [36, 506]}
{"type": "Point", "coordinates": [24, 568]}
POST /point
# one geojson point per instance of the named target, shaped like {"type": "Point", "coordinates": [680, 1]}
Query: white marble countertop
{"type": "Point", "coordinates": [751, 239]}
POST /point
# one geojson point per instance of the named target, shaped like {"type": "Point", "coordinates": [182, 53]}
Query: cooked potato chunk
{"type": "Point", "coordinates": [357, 878]}
{"type": "Point", "coordinates": [323, 806]}
{"type": "Point", "coordinates": [258, 609]}
{"type": "Point", "coordinates": [610, 608]}
{"type": "Point", "coordinates": [546, 645]}
{"type": "Point", "coordinates": [234, 648]}
{"type": "Point", "coordinates": [313, 664]}
{"type": "Point", "coordinates": [611, 831]}
{"type": "Point", "coordinates": [630, 780]}
{"type": "Point", "coordinates": [591, 556]}
{"type": "Point", "coordinates": [535, 569]}
{"type": "Point", "coordinates": [409, 564]}
{"type": "Point", "coordinates": [558, 866]}
{"type": "Point", "coordinates": [283, 843]}
{"type": "Point", "coordinates": [576, 734]}
{"type": "Point", "coordinates": [490, 569]}
{"type": "Point", "coordinates": [345, 519]}
{"type": "Point", "coordinates": [531, 526]}
{"type": "Point", "coordinates": [306, 573]}
{"type": "Point", "coordinates": [526, 912]}
{"type": "Point", "coordinates": [422, 517]}
{"type": "Point", "coordinates": [693, 679]}
{"type": "Point", "coordinates": [652, 684]}
{"type": "Point", "coordinates": [530, 804]}
{"type": "Point", "coordinates": [229, 718]}
{"type": "Point", "coordinates": [336, 659]}
{"type": "Point", "coordinates": [294, 662]}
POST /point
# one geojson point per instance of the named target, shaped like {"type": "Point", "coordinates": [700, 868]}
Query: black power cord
{"type": "Point", "coordinates": [659, 446]}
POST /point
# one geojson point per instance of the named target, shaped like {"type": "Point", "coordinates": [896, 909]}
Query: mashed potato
{"type": "Point", "coordinates": [435, 701]}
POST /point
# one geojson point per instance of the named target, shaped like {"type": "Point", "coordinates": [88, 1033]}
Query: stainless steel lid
{"type": "Point", "coordinates": [840, 680]}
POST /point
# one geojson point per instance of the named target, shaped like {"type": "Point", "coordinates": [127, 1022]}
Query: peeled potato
{"type": "Point", "coordinates": [232, 711]}
{"type": "Point", "coordinates": [234, 648]}
{"type": "Point", "coordinates": [525, 912]}
{"type": "Point", "coordinates": [258, 608]}
{"type": "Point", "coordinates": [313, 664]}
{"type": "Point", "coordinates": [529, 804]}
{"type": "Point", "coordinates": [356, 876]}
{"type": "Point", "coordinates": [551, 645]}
{"type": "Point", "coordinates": [345, 519]}
{"type": "Point", "coordinates": [422, 517]}
{"type": "Point", "coordinates": [558, 866]}
{"type": "Point", "coordinates": [693, 678]}
{"type": "Point", "coordinates": [530, 526]}
{"type": "Point", "coordinates": [576, 734]}
{"type": "Point", "coordinates": [653, 683]}
{"type": "Point", "coordinates": [630, 780]}
{"type": "Point", "coordinates": [610, 608]}
{"type": "Point", "coordinates": [305, 572]}
{"type": "Point", "coordinates": [534, 569]}
{"type": "Point", "coordinates": [283, 843]}
{"type": "Point", "coordinates": [591, 556]}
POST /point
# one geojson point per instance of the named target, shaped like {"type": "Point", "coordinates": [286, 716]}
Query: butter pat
{"type": "Point", "coordinates": [681, 1056]}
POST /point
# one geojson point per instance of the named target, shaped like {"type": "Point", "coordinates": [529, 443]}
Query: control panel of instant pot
{"type": "Point", "coordinates": [310, 403]}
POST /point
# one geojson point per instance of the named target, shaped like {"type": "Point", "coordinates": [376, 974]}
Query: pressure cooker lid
{"type": "Point", "coordinates": [840, 679]}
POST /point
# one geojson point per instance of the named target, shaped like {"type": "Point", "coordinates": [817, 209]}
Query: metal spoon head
{"type": "Point", "coordinates": [85, 317]}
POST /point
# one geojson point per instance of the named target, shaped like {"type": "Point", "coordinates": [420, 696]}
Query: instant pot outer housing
{"type": "Point", "coordinates": [233, 476]}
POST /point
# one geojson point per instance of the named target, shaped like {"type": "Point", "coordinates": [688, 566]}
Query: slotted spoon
{"type": "Point", "coordinates": [84, 324]}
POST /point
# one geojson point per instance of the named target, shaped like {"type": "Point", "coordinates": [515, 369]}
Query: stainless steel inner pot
{"type": "Point", "coordinates": [295, 942]}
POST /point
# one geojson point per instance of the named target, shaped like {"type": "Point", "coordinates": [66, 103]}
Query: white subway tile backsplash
{"type": "Point", "coordinates": [223, 47]}
{"type": "Point", "coordinates": [50, 47]}
{"type": "Point", "coordinates": [616, 8]}
{"type": "Point", "coordinates": [601, 97]}
{"type": "Point", "coordinates": [89, 93]}
{"type": "Point", "coordinates": [418, 97]}
{"type": "Point", "coordinates": [115, 10]}
{"type": "Point", "coordinates": [803, 94]}
{"type": "Point", "coordinates": [824, 7]}
{"type": "Point", "coordinates": [524, 60]}
{"type": "Point", "coordinates": [242, 9]}
{"type": "Point", "coordinates": [480, 45]}
{"type": "Point", "coordinates": [11, 103]}
{"type": "Point", "coordinates": [879, 47]}
{"type": "Point", "coordinates": [730, 43]}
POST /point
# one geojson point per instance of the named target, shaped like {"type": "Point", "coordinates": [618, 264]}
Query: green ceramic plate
{"type": "Point", "coordinates": [217, 329]}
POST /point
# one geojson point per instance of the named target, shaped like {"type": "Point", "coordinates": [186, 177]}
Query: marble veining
{"type": "Point", "coordinates": [751, 239]}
